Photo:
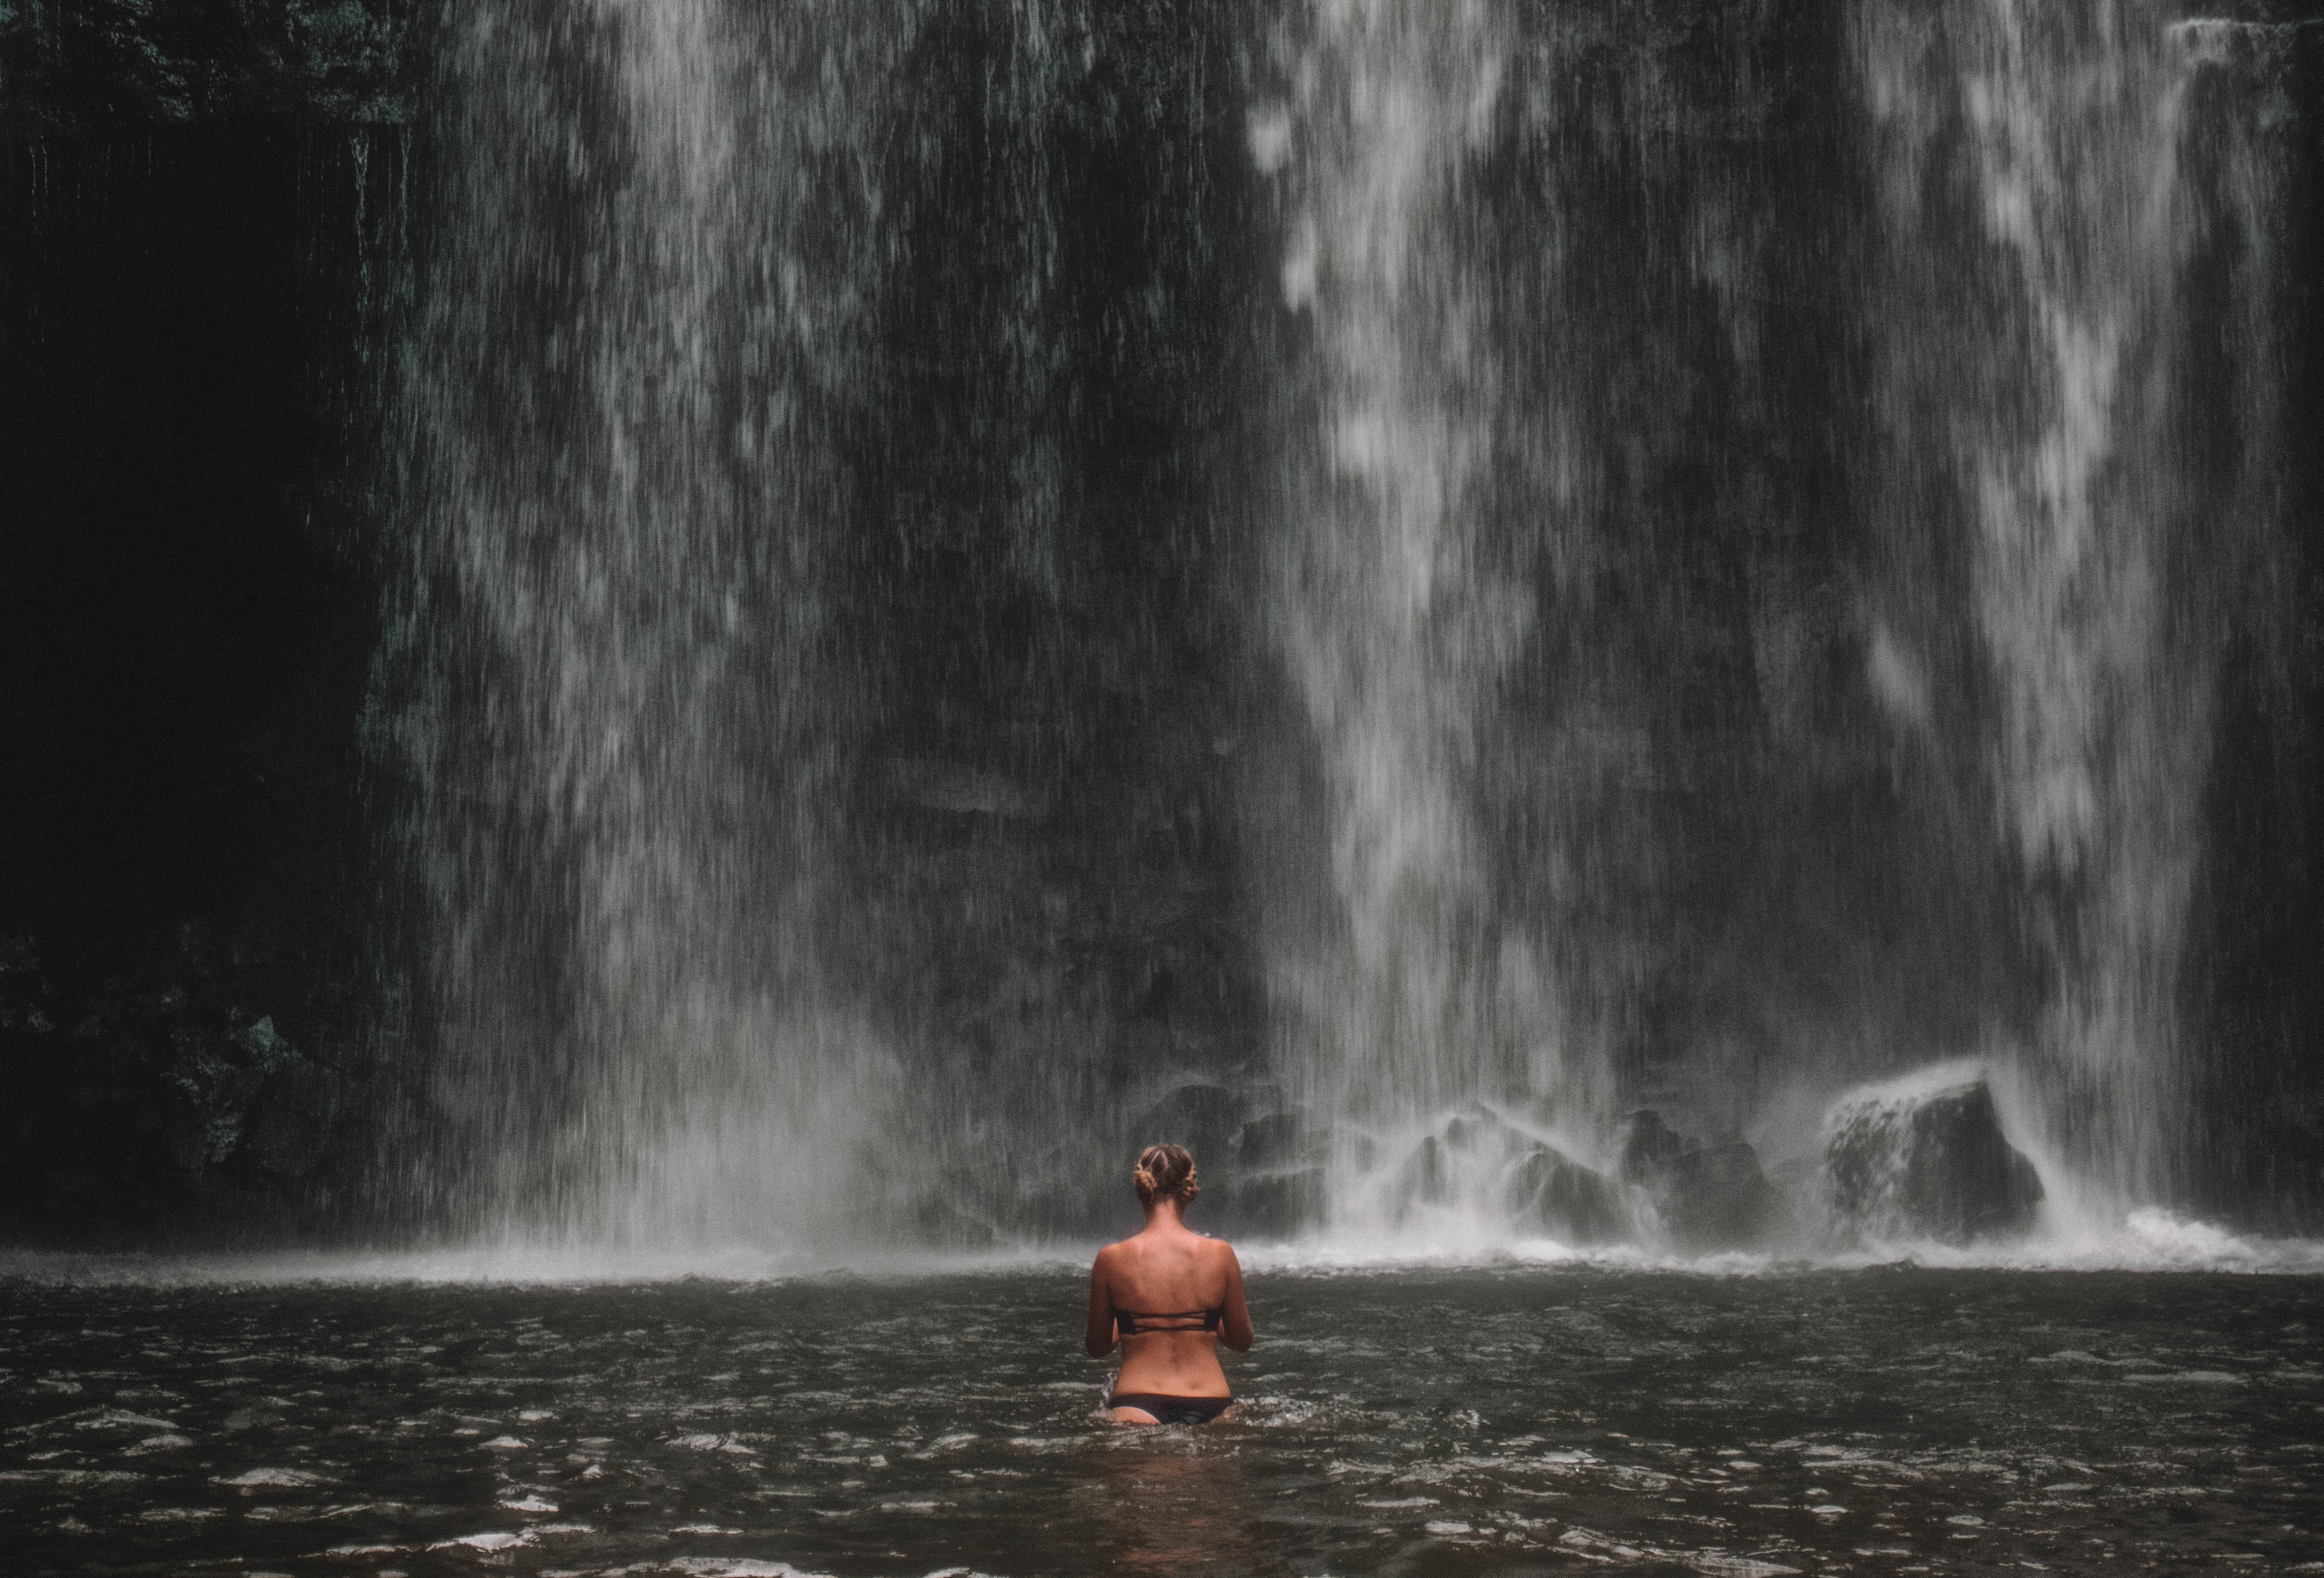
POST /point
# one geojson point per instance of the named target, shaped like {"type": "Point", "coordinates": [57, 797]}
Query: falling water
{"type": "Point", "coordinates": [791, 871]}
{"type": "Point", "coordinates": [1577, 716]}
{"type": "Point", "coordinates": [2042, 173]}
{"type": "Point", "coordinates": [816, 790]}
{"type": "Point", "coordinates": [647, 291]}
{"type": "Point", "coordinates": [1423, 1003]}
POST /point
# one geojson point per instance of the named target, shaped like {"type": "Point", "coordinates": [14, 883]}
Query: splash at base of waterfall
{"type": "Point", "coordinates": [2154, 1241]}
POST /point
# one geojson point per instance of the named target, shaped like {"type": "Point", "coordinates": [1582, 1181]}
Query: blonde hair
{"type": "Point", "coordinates": [1165, 1172]}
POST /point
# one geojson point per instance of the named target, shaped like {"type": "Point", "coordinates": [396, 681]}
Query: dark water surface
{"type": "Point", "coordinates": [1428, 1422]}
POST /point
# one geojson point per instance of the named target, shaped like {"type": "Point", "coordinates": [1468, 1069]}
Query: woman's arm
{"type": "Point", "coordinates": [1098, 1334]}
{"type": "Point", "coordinates": [1234, 1315]}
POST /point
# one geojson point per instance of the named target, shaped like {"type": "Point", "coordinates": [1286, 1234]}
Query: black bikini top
{"type": "Point", "coordinates": [1126, 1321]}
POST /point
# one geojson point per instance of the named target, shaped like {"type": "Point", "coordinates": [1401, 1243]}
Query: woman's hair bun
{"type": "Point", "coordinates": [1165, 1172]}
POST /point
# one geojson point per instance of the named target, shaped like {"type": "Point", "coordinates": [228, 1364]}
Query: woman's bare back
{"type": "Point", "coordinates": [1188, 1290]}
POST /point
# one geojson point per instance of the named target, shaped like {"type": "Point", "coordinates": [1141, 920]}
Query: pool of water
{"type": "Point", "coordinates": [1484, 1419]}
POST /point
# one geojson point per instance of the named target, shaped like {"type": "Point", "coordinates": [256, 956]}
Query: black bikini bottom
{"type": "Point", "coordinates": [1174, 1410]}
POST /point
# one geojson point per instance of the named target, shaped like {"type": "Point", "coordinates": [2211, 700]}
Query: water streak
{"type": "Point", "coordinates": [625, 737]}
{"type": "Point", "coordinates": [2041, 167]}
{"type": "Point", "coordinates": [1395, 622]}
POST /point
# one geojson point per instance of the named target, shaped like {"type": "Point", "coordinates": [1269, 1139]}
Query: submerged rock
{"type": "Point", "coordinates": [1927, 1158]}
{"type": "Point", "coordinates": [1707, 1194]}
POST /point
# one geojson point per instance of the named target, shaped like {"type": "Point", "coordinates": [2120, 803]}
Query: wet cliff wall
{"type": "Point", "coordinates": [199, 207]}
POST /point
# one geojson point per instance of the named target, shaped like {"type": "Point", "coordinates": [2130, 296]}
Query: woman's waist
{"type": "Point", "coordinates": [1193, 1341]}
{"type": "Point", "coordinates": [1193, 1375]}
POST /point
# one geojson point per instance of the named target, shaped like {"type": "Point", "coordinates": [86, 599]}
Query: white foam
{"type": "Point", "coordinates": [518, 1264]}
{"type": "Point", "coordinates": [2084, 1237]}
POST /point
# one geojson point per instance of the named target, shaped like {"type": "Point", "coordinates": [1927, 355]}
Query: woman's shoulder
{"type": "Point", "coordinates": [1120, 1252]}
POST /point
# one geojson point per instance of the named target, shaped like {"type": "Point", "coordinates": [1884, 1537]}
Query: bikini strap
{"type": "Point", "coordinates": [1126, 1320]}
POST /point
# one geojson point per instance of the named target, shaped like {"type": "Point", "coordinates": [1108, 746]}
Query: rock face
{"type": "Point", "coordinates": [110, 62]}
{"type": "Point", "coordinates": [150, 1096]}
{"type": "Point", "coordinates": [1707, 1194]}
{"type": "Point", "coordinates": [1922, 1158]}
{"type": "Point", "coordinates": [188, 611]}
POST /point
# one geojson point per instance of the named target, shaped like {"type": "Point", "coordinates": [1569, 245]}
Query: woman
{"type": "Point", "coordinates": [1170, 1296]}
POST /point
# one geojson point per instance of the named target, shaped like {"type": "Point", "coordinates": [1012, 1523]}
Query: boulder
{"type": "Point", "coordinates": [1707, 1194]}
{"type": "Point", "coordinates": [1648, 1146]}
{"type": "Point", "coordinates": [1477, 1129]}
{"type": "Point", "coordinates": [1923, 1157]}
{"type": "Point", "coordinates": [1426, 1178]}
{"type": "Point", "coordinates": [1270, 1202]}
{"type": "Point", "coordinates": [1555, 1194]}
{"type": "Point", "coordinates": [1480, 1159]}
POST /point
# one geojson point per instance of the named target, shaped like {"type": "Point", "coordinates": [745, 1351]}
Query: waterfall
{"type": "Point", "coordinates": [1590, 660]}
{"type": "Point", "coordinates": [1418, 1002]}
{"type": "Point", "coordinates": [813, 851]}
{"type": "Point", "coordinates": [650, 267]}
{"type": "Point", "coordinates": [839, 741]}
{"type": "Point", "coordinates": [2042, 173]}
